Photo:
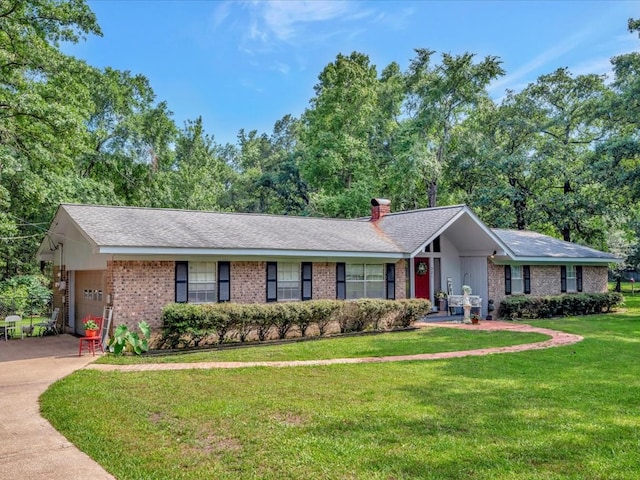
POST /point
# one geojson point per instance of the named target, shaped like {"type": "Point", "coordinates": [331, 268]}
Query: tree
{"type": "Point", "coordinates": [439, 98]}
{"type": "Point", "coordinates": [199, 179]}
{"type": "Point", "coordinates": [43, 105]}
{"type": "Point", "coordinates": [41, 99]}
{"type": "Point", "coordinates": [566, 113]}
{"type": "Point", "coordinates": [337, 130]}
{"type": "Point", "coordinates": [128, 135]}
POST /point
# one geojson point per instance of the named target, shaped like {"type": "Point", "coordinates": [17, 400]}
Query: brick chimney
{"type": "Point", "coordinates": [379, 208]}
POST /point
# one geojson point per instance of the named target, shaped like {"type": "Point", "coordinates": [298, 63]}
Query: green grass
{"type": "Point", "coordinates": [386, 344]}
{"type": "Point", "coordinates": [562, 413]}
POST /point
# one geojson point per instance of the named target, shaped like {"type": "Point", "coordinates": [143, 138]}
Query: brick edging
{"type": "Point", "coordinates": [557, 339]}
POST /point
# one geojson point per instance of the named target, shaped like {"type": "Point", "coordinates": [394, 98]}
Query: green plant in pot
{"type": "Point", "coordinates": [91, 328]}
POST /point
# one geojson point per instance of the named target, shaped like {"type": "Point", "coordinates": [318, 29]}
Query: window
{"type": "Point", "coordinates": [195, 282]}
{"type": "Point", "coordinates": [570, 278]}
{"type": "Point", "coordinates": [288, 281]}
{"type": "Point", "coordinates": [365, 281]}
{"type": "Point", "coordinates": [436, 246]}
{"type": "Point", "coordinates": [202, 282]}
{"type": "Point", "coordinates": [517, 279]}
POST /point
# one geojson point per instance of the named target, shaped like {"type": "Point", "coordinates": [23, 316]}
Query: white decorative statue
{"type": "Point", "coordinates": [466, 303]}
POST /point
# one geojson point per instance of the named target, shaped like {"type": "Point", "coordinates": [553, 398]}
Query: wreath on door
{"type": "Point", "coordinates": [422, 268]}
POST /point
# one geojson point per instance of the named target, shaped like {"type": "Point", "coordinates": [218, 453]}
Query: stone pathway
{"type": "Point", "coordinates": [557, 339]}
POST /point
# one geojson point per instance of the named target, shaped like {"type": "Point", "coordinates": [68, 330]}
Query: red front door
{"type": "Point", "coordinates": [421, 276]}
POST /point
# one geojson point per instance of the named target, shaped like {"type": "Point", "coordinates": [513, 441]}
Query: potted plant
{"type": "Point", "coordinates": [441, 296]}
{"type": "Point", "coordinates": [475, 318]}
{"type": "Point", "coordinates": [90, 328]}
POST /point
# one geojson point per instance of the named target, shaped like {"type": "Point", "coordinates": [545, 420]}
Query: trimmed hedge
{"type": "Point", "coordinates": [519, 306]}
{"type": "Point", "coordinates": [192, 325]}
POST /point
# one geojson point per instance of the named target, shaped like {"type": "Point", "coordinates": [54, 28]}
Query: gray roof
{"type": "Point", "coordinates": [528, 244]}
{"type": "Point", "coordinates": [411, 229]}
{"type": "Point", "coordinates": [130, 229]}
{"type": "Point", "coordinates": [148, 227]}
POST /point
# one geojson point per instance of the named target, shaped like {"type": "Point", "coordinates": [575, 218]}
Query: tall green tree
{"type": "Point", "coordinates": [566, 113]}
{"type": "Point", "coordinates": [198, 179]}
{"type": "Point", "coordinates": [439, 97]}
{"type": "Point", "coordinates": [128, 134]}
{"type": "Point", "coordinates": [338, 164]}
{"type": "Point", "coordinates": [43, 107]}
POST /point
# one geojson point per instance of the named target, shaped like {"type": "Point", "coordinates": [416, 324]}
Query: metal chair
{"type": "Point", "coordinates": [51, 325]}
{"type": "Point", "coordinates": [11, 325]}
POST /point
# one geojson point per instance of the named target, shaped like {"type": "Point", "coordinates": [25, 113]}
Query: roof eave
{"type": "Point", "coordinates": [480, 223]}
{"type": "Point", "coordinates": [556, 260]}
{"type": "Point", "coordinates": [240, 252]}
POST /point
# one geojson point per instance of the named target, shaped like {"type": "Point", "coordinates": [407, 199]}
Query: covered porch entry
{"type": "Point", "coordinates": [457, 255]}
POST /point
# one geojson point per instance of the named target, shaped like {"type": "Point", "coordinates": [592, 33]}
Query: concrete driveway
{"type": "Point", "coordinates": [30, 448]}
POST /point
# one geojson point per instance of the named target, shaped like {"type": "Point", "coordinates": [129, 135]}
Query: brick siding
{"type": "Point", "coordinates": [249, 282]}
{"type": "Point", "coordinates": [545, 280]}
{"type": "Point", "coordinates": [140, 289]}
{"type": "Point", "coordinates": [401, 279]}
{"type": "Point", "coordinates": [324, 281]}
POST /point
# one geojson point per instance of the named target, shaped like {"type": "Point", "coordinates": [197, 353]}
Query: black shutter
{"type": "Point", "coordinates": [307, 280]}
{"type": "Point", "coordinates": [579, 278]}
{"type": "Point", "coordinates": [526, 272]}
{"type": "Point", "coordinates": [224, 281]}
{"type": "Point", "coordinates": [563, 279]}
{"type": "Point", "coordinates": [341, 281]}
{"type": "Point", "coordinates": [182, 281]}
{"type": "Point", "coordinates": [272, 281]}
{"type": "Point", "coordinates": [507, 280]}
{"type": "Point", "coordinates": [391, 281]}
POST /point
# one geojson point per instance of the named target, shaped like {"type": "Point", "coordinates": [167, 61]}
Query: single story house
{"type": "Point", "coordinates": [138, 260]}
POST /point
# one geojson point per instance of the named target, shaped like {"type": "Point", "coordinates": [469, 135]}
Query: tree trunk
{"type": "Point", "coordinates": [432, 191]}
{"type": "Point", "coordinates": [566, 230]}
{"type": "Point", "coordinates": [520, 207]}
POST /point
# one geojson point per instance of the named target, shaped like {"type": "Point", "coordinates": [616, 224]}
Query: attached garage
{"type": "Point", "coordinates": [90, 296]}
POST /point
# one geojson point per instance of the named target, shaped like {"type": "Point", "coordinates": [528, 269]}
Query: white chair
{"type": "Point", "coordinates": [51, 325]}
{"type": "Point", "coordinates": [11, 325]}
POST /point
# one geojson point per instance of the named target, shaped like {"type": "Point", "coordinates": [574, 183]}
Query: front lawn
{"type": "Point", "coordinates": [562, 413]}
{"type": "Point", "coordinates": [430, 340]}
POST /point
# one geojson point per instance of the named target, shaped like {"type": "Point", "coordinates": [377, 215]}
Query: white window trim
{"type": "Point", "coordinates": [572, 278]}
{"type": "Point", "coordinates": [365, 281]}
{"type": "Point", "coordinates": [204, 268]}
{"type": "Point", "coordinates": [517, 281]}
{"type": "Point", "coordinates": [292, 291]}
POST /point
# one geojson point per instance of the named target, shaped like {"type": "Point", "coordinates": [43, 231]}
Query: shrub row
{"type": "Point", "coordinates": [192, 325]}
{"type": "Point", "coordinates": [558, 306]}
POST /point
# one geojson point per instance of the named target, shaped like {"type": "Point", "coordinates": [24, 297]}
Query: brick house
{"type": "Point", "coordinates": [137, 260]}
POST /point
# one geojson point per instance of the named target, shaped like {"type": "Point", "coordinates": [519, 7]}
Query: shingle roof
{"type": "Point", "coordinates": [148, 227]}
{"type": "Point", "coordinates": [524, 243]}
{"type": "Point", "coordinates": [411, 229]}
{"type": "Point", "coordinates": [393, 235]}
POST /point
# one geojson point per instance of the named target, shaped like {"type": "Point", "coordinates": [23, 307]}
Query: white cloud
{"type": "Point", "coordinates": [541, 60]}
{"type": "Point", "coordinates": [220, 14]}
{"type": "Point", "coordinates": [281, 67]}
{"type": "Point", "coordinates": [283, 18]}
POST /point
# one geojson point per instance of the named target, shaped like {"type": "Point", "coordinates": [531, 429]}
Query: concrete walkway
{"type": "Point", "coordinates": [32, 449]}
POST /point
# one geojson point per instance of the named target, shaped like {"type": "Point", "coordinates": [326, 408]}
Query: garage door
{"type": "Point", "coordinates": [90, 295]}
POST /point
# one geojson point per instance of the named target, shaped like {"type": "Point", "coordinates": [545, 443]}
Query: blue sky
{"type": "Point", "coordinates": [247, 64]}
